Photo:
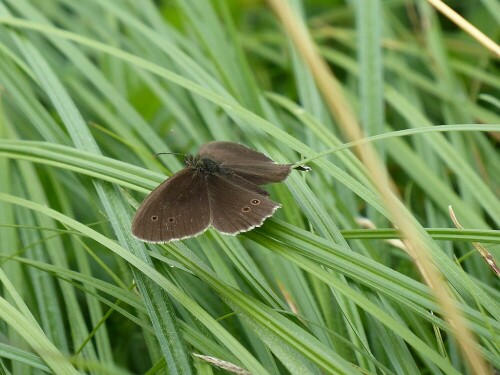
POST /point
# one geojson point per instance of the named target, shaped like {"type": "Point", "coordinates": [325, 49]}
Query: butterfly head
{"type": "Point", "coordinates": [190, 160]}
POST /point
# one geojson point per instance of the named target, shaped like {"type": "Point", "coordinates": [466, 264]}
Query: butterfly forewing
{"type": "Point", "coordinates": [247, 163]}
{"type": "Point", "coordinates": [261, 174]}
{"type": "Point", "coordinates": [235, 206]}
{"type": "Point", "coordinates": [178, 208]}
{"type": "Point", "coordinates": [225, 151]}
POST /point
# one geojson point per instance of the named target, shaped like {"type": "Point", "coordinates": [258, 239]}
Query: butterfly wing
{"type": "Point", "coordinates": [237, 205]}
{"type": "Point", "coordinates": [222, 151]}
{"type": "Point", "coordinates": [247, 163]}
{"type": "Point", "coordinates": [177, 209]}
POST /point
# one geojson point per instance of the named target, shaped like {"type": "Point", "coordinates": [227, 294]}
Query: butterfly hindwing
{"type": "Point", "coordinates": [237, 205]}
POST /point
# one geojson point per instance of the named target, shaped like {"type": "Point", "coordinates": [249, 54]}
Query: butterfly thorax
{"type": "Point", "coordinates": [202, 164]}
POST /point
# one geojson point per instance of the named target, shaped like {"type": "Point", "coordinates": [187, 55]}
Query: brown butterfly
{"type": "Point", "coordinates": [219, 187]}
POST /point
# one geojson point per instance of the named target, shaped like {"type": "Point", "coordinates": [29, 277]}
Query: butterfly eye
{"type": "Point", "coordinates": [171, 219]}
{"type": "Point", "coordinates": [154, 218]}
{"type": "Point", "coordinates": [245, 209]}
{"type": "Point", "coordinates": [255, 202]}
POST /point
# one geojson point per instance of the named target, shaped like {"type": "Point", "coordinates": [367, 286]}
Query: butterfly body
{"type": "Point", "coordinates": [219, 187]}
{"type": "Point", "coordinates": [203, 165]}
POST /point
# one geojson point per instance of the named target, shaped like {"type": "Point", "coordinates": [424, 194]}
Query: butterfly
{"type": "Point", "coordinates": [219, 187]}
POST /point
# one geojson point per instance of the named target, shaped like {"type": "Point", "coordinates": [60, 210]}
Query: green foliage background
{"type": "Point", "coordinates": [92, 89]}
